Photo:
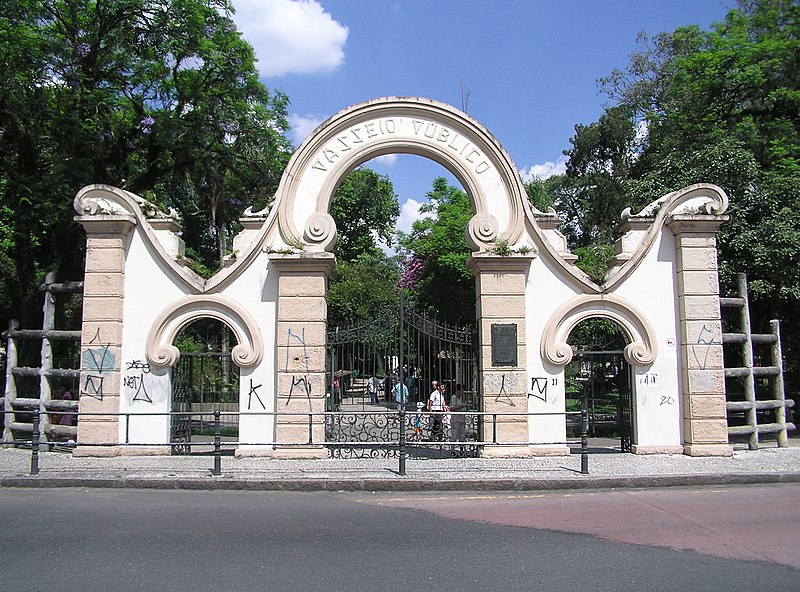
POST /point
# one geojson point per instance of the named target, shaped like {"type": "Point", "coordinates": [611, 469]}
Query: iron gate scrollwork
{"type": "Point", "coordinates": [181, 420]}
{"type": "Point", "coordinates": [366, 360]}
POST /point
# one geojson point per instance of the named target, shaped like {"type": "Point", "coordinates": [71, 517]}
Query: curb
{"type": "Point", "coordinates": [400, 483]}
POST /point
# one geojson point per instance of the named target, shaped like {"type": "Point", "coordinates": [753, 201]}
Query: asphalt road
{"type": "Point", "coordinates": [142, 540]}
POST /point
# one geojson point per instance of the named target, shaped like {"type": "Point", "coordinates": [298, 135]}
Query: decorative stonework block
{"type": "Point", "coordinates": [706, 431]}
{"type": "Point", "coordinates": [98, 430]}
{"type": "Point", "coordinates": [104, 284]}
{"type": "Point", "coordinates": [700, 306]}
{"type": "Point", "coordinates": [495, 283]}
{"type": "Point", "coordinates": [499, 382]}
{"type": "Point", "coordinates": [707, 406]}
{"type": "Point", "coordinates": [108, 332]}
{"type": "Point", "coordinates": [501, 307]}
{"type": "Point", "coordinates": [301, 386]}
{"type": "Point", "coordinates": [707, 381]}
{"type": "Point", "coordinates": [704, 357]}
{"type": "Point", "coordinates": [301, 359]}
{"type": "Point", "coordinates": [698, 282]}
{"type": "Point", "coordinates": [105, 260]}
{"type": "Point", "coordinates": [302, 308]}
{"type": "Point", "coordinates": [292, 333]}
{"type": "Point", "coordinates": [301, 285]}
{"type": "Point", "coordinates": [108, 308]}
{"type": "Point", "coordinates": [300, 403]}
{"type": "Point", "coordinates": [702, 259]}
{"type": "Point", "coordinates": [298, 433]}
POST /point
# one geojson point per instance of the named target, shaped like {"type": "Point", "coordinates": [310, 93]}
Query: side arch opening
{"type": "Point", "coordinates": [600, 378]}
{"type": "Point", "coordinates": [204, 379]}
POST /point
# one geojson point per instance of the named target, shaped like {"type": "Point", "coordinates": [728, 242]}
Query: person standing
{"type": "Point", "coordinates": [458, 422]}
{"type": "Point", "coordinates": [400, 395]}
{"type": "Point", "coordinates": [436, 407]}
{"type": "Point", "coordinates": [372, 385]}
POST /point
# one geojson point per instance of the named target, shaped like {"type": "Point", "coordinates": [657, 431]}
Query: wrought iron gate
{"type": "Point", "coordinates": [181, 420]}
{"type": "Point", "coordinates": [400, 344]}
{"type": "Point", "coordinates": [201, 383]}
{"type": "Point", "coordinates": [603, 377]}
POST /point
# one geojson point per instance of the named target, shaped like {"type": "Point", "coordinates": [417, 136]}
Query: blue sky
{"type": "Point", "coordinates": [529, 66]}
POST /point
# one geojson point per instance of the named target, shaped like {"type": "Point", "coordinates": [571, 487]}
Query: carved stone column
{"type": "Point", "coordinates": [101, 339]}
{"type": "Point", "coordinates": [500, 287]}
{"type": "Point", "coordinates": [302, 316]}
{"type": "Point", "coordinates": [705, 427]}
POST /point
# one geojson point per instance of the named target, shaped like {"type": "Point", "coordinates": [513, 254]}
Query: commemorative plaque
{"type": "Point", "coordinates": [504, 345]}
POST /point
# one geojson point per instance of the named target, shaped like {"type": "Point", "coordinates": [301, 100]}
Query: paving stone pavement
{"type": "Point", "coordinates": [607, 469]}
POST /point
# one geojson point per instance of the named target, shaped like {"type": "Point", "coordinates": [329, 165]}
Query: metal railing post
{"type": "Point", "coordinates": [217, 470]}
{"type": "Point", "coordinates": [402, 463]}
{"type": "Point", "coordinates": [35, 444]}
{"type": "Point", "coordinates": [584, 436]}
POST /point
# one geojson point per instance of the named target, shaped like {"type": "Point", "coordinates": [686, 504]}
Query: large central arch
{"type": "Point", "coordinates": [411, 126]}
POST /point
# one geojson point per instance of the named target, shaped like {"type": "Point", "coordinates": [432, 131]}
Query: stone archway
{"type": "Point", "coordinates": [273, 293]}
{"type": "Point", "coordinates": [484, 169]}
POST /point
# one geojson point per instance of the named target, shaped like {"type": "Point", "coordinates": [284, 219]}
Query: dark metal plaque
{"type": "Point", "coordinates": [504, 345]}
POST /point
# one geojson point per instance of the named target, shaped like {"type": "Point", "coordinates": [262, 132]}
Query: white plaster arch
{"type": "Point", "coordinates": [642, 347]}
{"type": "Point", "coordinates": [401, 125]}
{"type": "Point", "coordinates": [159, 347]}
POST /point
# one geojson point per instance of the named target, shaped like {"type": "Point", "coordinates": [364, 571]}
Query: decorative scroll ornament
{"type": "Point", "coordinates": [481, 231]}
{"type": "Point", "coordinates": [641, 350]}
{"type": "Point", "coordinates": [96, 200]}
{"type": "Point", "coordinates": [246, 354]}
{"type": "Point", "coordinates": [701, 198]}
{"type": "Point", "coordinates": [320, 231]}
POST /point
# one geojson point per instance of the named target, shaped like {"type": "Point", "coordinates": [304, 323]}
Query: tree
{"type": "Point", "coordinates": [160, 97]}
{"type": "Point", "coordinates": [365, 208]}
{"type": "Point", "coordinates": [362, 289]}
{"type": "Point", "coordinates": [601, 158]}
{"type": "Point", "coordinates": [436, 269]}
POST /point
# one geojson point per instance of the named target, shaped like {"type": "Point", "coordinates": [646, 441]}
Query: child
{"type": "Point", "coordinates": [418, 422]}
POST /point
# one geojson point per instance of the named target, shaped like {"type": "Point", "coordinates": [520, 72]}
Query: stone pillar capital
{"type": "Point", "coordinates": [106, 225]}
{"type": "Point", "coordinates": [304, 263]}
{"type": "Point", "coordinates": [695, 223]}
{"type": "Point", "coordinates": [490, 263]}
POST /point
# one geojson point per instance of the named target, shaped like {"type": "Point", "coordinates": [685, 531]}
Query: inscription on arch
{"type": "Point", "coordinates": [426, 130]}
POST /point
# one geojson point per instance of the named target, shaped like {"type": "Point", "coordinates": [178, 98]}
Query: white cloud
{"type": "Point", "coordinates": [291, 36]}
{"type": "Point", "coordinates": [545, 170]}
{"type": "Point", "coordinates": [409, 212]}
{"type": "Point", "coordinates": [302, 126]}
{"type": "Point", "coordinates": [386, 160]}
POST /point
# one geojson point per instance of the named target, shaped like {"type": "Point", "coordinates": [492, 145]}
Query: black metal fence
{"type": "Point", "coordinates": [406, 442]}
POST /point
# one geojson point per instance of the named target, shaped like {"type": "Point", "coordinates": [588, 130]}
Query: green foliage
{"type": "Point", "coordinates": [361, 289]}
{"type": "Point", "coordinates": [540, 194]}
{"type": "Point", "coordinates": [364, 207]}
{"type": "Point", "coordinates": [601, 158]}
{"type": "Point", "coordinates": [594, 260]}
{"type": "Point", "coordinates": [445, 284]}
{"type": "Point", "coordinates": [160, 97]}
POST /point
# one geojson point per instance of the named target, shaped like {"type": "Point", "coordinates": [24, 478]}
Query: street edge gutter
{"type": "Point", "coordinates": [399, 483]}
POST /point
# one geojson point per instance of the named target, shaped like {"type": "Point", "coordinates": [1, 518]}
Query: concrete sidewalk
{"type": "Point", "coordinates": [606, 470]}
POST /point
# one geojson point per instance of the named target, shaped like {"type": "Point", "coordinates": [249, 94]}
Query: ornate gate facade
{"type": "Point", "coordinates": [365, 361]}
